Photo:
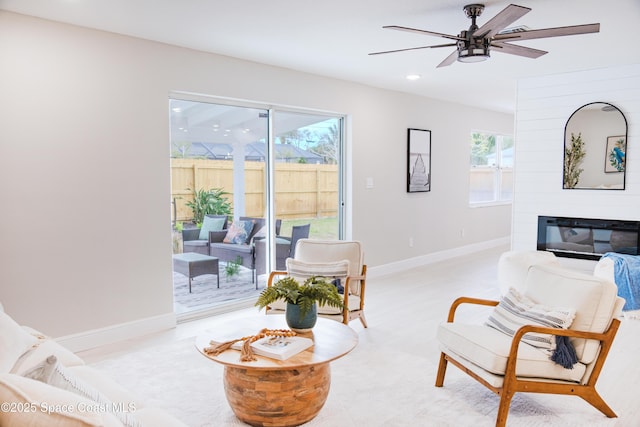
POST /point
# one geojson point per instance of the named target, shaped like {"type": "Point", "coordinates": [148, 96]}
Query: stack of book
{"type": "Point", "coordinates": [280, 348]}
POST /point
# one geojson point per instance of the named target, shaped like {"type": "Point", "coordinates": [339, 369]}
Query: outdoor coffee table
{"type": "Point", "coordinates": [270, 392]}
{"type": "Point", "coordinates": [192, 264]}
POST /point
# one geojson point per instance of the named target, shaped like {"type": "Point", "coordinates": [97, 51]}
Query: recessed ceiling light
{"type": "Point", "coordinates": [413, 76]}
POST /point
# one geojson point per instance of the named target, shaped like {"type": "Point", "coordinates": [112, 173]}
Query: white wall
{"type": "Point", "coordinates": [85, 218]}
{"type": "Point", "coordinates": [544, 105]}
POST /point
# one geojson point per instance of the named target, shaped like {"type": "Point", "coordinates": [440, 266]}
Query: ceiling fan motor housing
{"type": "Point", "coordinates": [473, 10]}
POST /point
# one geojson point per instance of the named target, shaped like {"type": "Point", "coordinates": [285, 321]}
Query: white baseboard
{"type": "Point", "coordinates": [400, 266]}
{"type": "Point", "coordinates": [108, 335]}
{"type": "Point", "coordinates": [111, 334]}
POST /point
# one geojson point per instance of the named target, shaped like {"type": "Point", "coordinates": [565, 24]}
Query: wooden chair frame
{"type": "Point", "coordinates": [347, 315]}
{"type": "Point", "coordinates": [513, 384]}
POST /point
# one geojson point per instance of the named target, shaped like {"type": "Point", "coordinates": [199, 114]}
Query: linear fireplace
{"type": "Point", "coordinates": [587, 238]}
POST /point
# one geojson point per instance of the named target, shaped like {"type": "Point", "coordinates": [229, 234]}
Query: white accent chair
{"type": "Point", "coordinates": [317, 257]}
{"type": "Point", "coordinates": [506, 366]}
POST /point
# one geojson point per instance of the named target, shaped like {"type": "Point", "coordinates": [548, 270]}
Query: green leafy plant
{"type": "Point", "coordinates": [179, 226]}
{"type": "Point", "coordinates": [573, 156]}
{"type": "Point", "coordinates": [233, 267]}
{"type": "Point", "coordinates": [313, 290]}
{"type": "Point", "coordinates": [211, 201]}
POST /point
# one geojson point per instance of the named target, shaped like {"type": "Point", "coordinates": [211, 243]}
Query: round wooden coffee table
{"type": "Point", "coordinates": [270, 392]}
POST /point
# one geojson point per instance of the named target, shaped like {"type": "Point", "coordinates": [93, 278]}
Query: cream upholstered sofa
{"type": "Point", "coordinates": [42, 384]}
{"type": "Point", "coordinates": [507, 361]}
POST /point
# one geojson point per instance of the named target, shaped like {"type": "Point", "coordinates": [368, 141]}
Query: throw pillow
{"type": "Point", "coordinates": [210, 224]}
{"type": "Point", "coordinates": [239, 232]}
{"type": "Point", "coordinates": [302, 270]}
{"type": "Point", "coordinates": [53, 373]}
{"type": "Point", "coordinates": [516, 310]}
{"type": "Point", "coordinates": [14, 342]}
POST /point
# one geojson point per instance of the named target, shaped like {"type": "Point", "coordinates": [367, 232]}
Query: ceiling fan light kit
{"type": "Point", "coordinates": [475, 44]}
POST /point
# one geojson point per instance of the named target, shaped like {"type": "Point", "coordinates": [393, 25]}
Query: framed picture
{"type": "Point", "coordinates": [615, 156]}
{"type": "Point", "coordinates": [418, 160]}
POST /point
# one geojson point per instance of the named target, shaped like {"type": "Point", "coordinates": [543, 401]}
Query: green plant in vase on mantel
{"type": "Point", "coordinates": [573, 156]}
{"type": "Point", "coordinates": [302, 299]}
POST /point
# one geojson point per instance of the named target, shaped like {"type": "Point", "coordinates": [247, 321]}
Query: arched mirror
{"type": "Point", "coordinates": [595, 148]}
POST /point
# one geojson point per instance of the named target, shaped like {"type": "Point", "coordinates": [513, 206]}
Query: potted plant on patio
{"type": "Point", "coordinates": [302, 300]}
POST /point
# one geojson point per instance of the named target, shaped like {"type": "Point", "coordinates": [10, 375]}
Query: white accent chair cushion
{"type": "Point", "coordinates": [513, 267]}
{"type": "Point", "coordinates": [593, 298]}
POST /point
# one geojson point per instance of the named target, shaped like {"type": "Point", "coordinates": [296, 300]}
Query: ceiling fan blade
{"type": "Point", "coordinates": [549, 32]}
{"type": "Point", "coordinates": [449, 59]}
{"type": "Point", "coordinates": [518, 50]}
{"type": "Point", "coordinates": [415, 30]}
{"type": "Point", "coordinates": [413, 48]}
{"type": "Point", "coordinates": [499, 22]}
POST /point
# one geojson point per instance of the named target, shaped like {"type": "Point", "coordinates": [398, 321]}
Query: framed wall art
{"type": "Point", "coordinates": [614, 160]}
{"type": "Point", "coordinates": [418, 160]}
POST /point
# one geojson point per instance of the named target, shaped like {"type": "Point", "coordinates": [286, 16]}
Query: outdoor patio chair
{"type": "Point", "coordinates": [285, 248]}
{"type": "Point", "coordinates": [551, 335]}
{"type": "Point", "coordinates": [242, 253]}
{"type": "Point", "coordinates": [198, 239]}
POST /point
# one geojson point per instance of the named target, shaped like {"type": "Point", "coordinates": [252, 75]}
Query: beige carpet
{"type": "Point", "coordinates": [388, 379]}
{"type": "Point", "coordinates": [375, 386]}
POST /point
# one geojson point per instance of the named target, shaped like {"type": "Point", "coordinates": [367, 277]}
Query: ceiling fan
{"type": "Point", "coordinates": [474, 44]}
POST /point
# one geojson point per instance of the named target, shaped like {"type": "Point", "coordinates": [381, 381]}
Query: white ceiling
{"type": "Point", "coordinates": [333, 37]}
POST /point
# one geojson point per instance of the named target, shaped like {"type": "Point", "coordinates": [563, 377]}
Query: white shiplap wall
{"type": "Point", "coordinates": [544, 104]}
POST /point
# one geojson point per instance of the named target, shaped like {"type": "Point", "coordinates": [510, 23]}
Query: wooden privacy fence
{"type": "Point", "coordinates": [301, 190]}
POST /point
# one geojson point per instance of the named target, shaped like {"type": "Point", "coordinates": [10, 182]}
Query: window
{"type": "Point", "coordinates": [491, 175]}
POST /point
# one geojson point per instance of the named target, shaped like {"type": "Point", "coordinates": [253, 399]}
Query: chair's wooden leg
{"type": "Point", "coordinates": [363, 320]}
{"type": "Point", "coordinates": [442, 368]}
{"type": "Point", "coordinates": [593, 398]}
{"type": "Point", "coordinates": [503, 409]}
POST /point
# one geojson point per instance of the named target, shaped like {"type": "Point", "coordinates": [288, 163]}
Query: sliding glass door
{"type": "Point", "coordinates": [278, 169]}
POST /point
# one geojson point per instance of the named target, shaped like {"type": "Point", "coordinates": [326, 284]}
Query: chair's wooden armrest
{"type": "Point", "coordinates": [273, 275]}
{"type": "Point", "coordinates": [606, 338]}
{"type": "Point", "coordinates": [217, 236]}
{"type": "Point", "coordinates": [517, 337]}
{"type": "Point", "coordinates": [468, 300]}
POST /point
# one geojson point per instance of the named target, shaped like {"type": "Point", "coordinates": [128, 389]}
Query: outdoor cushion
{"type": "Point", "coordinates": [196, 243]}
{"type": "Point", "coordinates": [231, 248]}
{"type": "Point", "coordinates": [210, 224]}
{"type": "Point", "coordinates": [239, 232]}
{"type": "Point", "coordinates": [489, 349]}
